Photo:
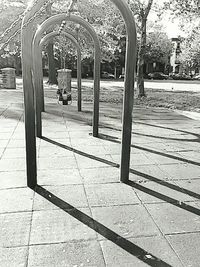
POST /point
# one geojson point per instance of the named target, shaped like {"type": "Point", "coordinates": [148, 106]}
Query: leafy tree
{"type": "Point", "coordinates": [190, 50]}
{"type": "Point", "coordinates": [158, 47]}
{"type": "Point", "coordinates": [143, 10]}
{"type": "Point", "coordinates": [188, 12]}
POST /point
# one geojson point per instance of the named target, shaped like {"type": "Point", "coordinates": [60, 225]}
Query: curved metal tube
{"type": "Point", "coordinates": [58, 19]}
{"type": "Point", "coordinates": [131, 48]}
{"type": "Point", "coordinates": [72, 37]}
{"type": "Point", "coordinates": [27, 37]}
{"type": "Point", "coordinates": [79, 101]}
{"type": "Point", "coordinates": [38, 77]}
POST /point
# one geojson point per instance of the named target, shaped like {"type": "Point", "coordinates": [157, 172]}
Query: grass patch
{"type": "Point", "coordinates": [182, 100]}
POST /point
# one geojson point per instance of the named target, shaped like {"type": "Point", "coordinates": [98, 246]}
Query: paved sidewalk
{"type": "Point", "coordinates": [80, 215]}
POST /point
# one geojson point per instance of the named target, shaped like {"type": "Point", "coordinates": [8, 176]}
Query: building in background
{"type": "Point", "coordinates": [176, 50]}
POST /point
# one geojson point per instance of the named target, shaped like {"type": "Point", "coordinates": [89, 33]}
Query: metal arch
{"type": "Point", "coordinates": [27, 37]}
{"type": "Point", "coordinates": [68, 33]}
{"type": "Point", "coordinates": [38, 77]}
{"type": "Point", "coordinates": [79, 100]}
{"type": "Point", "coordinates": [131, 44]}
{"type": "Point", "coordinates": [58, 19]}
{"type": "Point", "coordinates": [79, 104]}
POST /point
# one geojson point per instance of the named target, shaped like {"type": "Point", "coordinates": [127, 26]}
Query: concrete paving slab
{"type": "Point", "coordinates": [154, 245]}
{"type": "Point", "coordinates": [112, 148]}
{"type": "Point", "coordinates": [181, 171]}
{"type": "Point", "coordinates": [66, 254]}
{"type": "Point", "coordinates": [3, 143]}
{"type": "Point", "coordinates": [72, 194]}
{"type": "Point", "coordinates": [112, 194]}
{"type": "Point", "coordinates": [15, 229]}
{"type": "Point", "coordinates": [45, 144]}
{"type": "Point", "coordinates": [191, 155]}
{"type": "Point", "coordinates": [97, 150]}
{"type": "Point", "coordinates": [5, 136]}
{"type": "Point", "coordinates": [54, 151]}
{"type": "Point", "coordinates": [192, 185]}
{"type": "Point", "coordinates": [168, 158]}
{"type": "Point", "coordinates": [57, 163]}
{"type": "Point", "coordinates": [18, 135]}
{"type": "Point", "coordinates": [10, 257]}
{"type": "Point", "coordinates": [126, 220]}
{"type": "Point", "coordinates": [50, 128]}
{"type": "Point", "coordinates": [100, 175]}
{"type": "Point", "coordinates": [135, 160]}
{"type": "Point", "coordinates": [13, 179]}
{"type": "Point", "coordinates": [61, 237]}
{"type": "Point", "coordinates": [8, 197]}
{"type": "Point", "coordinates": [85, 141]}
{"type": "Point", "coordinates": [53, 226]}
{"type": "Point", "coordinates": [147, 173]}
{"type": "Point", "coordinates": [164, 190]}
{"type": "Point", "coordinates": [56, 134]}
{"type": "Point", "coordinates": [11, 153]}
{"type": "Point", "coordinates": [172, 219]}
{"type": "Point", "coordinates": [62, 141]}
{"type": "Point", "coordinates": [183, 146]}
{"type": "Point", "coordinates": [59, 177]}
{"type": "Point", "coordinates": [187, 248]}
{"type": "Point", "coordinates": [85, 162]}
{"type": "Point", "coordinates": [16, 143]}
{"type": "Point", "coordinates": [15, 164]}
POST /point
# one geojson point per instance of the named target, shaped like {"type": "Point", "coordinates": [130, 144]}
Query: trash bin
{"type": "Point", "coordinates": [8, 78]}
{"type": "Point", "coordinates": [64, 85]}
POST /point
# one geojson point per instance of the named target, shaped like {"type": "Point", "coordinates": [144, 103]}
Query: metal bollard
{"type": "Point", "coordinates": [8, 78]}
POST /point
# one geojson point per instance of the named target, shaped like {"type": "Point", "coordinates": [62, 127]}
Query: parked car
{"type": "Point", "coordinates": [180, 76]}
{"type": "Point", "coordinates": [107, 75]}
{"type": "Point", "coordinates": [121, 76]}
{"type": "Point", "coordinates": [158, 76]}
{"type": "Point", "coordinates": [196, 77]}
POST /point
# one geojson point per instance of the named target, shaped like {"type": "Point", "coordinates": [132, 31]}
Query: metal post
{"type": "Point", "coordinates": [38, 89]}
{"type": "Point", "coordinates": [58, 19]}
{"type": "Point", "coordinates": [29, 112]}
{"type": "Point", "coordinates": [78, 72]}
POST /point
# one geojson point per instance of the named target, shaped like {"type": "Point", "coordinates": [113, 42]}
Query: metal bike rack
{"type": "Point", "coordinates": [27, 37]}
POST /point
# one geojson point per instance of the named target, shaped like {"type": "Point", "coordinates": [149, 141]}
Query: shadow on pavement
{"type": "Point", "coordinates": [173, 201]}
{"type": "Point", "coordinates": [113, 139]}
{"type": "Point", "coordinates": [120, 241]}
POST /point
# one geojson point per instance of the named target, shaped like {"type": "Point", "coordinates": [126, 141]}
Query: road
{"type": "Point", "coordinates": [193, 86]}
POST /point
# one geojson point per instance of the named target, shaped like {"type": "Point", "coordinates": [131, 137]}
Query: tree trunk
{"type": "Point", "coordinates": [17, 64]}
{"type": "Point", "coordinates": [140, 64]}
{"type": "Point", "coordinates": [115, 71]}
{"type": "Point", "coordinates": [51, 64]}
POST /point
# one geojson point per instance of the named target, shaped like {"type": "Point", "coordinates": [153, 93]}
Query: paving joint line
{"type": "Point", "coordinates": [160, 230]}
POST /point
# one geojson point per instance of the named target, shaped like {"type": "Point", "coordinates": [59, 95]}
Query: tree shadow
{"type": "Point", "coordinates": [169, 128]}
{"type": "Point", "coordinates": [173, 201]}
{"type": "Point", "coordinates": [196, 139]}
{"type": "Point", "coordinates": [120, 241]}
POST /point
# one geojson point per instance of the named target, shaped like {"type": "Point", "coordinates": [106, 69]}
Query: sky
{"type": "Point", "coordinates": [172, 29]}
